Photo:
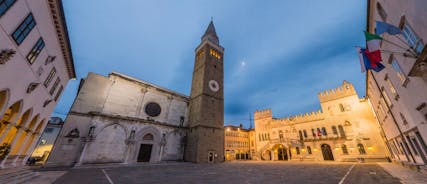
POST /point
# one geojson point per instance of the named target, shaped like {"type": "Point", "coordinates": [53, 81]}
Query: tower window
{"type": "Point", "coordinates": [344, 149]}
{"type": "Point", "coordinates": [214, 53]}
{"type": "Point", "coordinates": [361, 149]}
{"type": "Point", "coordinates": [381, 12]}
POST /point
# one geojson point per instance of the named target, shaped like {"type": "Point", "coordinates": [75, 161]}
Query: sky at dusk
{"type": "Point", "coordinates": [278, 54]}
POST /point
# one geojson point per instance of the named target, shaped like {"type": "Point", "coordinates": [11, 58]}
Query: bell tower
{"type": "Point", "coordinates": [205, 142]}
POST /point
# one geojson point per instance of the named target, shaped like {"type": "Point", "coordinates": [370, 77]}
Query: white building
{"type": "Point", "coordinates": [398, 93]}
{"type": "Point", "coordinates": [35, 65]}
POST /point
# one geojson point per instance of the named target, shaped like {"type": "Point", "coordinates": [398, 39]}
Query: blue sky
{"type": "Point", "coordinates": [278, 54]}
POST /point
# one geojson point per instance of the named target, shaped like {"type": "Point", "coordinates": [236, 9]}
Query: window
{"type": "Point", "coordinates": [5, 5]}
{"type": "Point", "coordinates": [280, 134]}
{"type": "Point", "coordinates": [305, 133]}
{"type": "Point", "coordinates": [344, 149]}
{"type": "Point", "coordinates": [309, 150]}
{"type": "Point", "coordinates": [181, 121]}
{"type": "Point", "coordinates": [48, 130]}
{"type": "Point", "coordinates": [24, 29]}
{"type": "Point", "coordinates": [214, 53]}
{"type": "Point", "coordinates": [381, 12]}
{"type": "Point", "coordinates": [300, 135]}
{"type": "Point", "coordinates": [297, 149]}
{"type": "Point", "coordinates": [148, 137]}
{"type": "Point", "coordinates": [341, 130]}
{"type": "Point", "coordinates": [361, 149]}
{"type": "Point", "coordinates": [313, 132]}
{"type": "Point", "coordinates": [412, 145]}
{"type": "Point", "coordinates": [402, 117]}
{"type": "Point", "coordinates": [413, 40]}
{"type": "Point", "coordinates": [399, 71]}
{"type": "Point", "coordinates": [35, 51]}
{"type": "Point", "coordinates": [386, 97]}
{"type": "Point", "coordinates": [391, 86]}
{"type": "Point", "coordinates": [59, 93]}
{"type": "Point", "coordinates": [91, 131]}
{"type": "Point", "coordinates": [55, 85]}
{"type": "Point", "coordinates": [324, 131]}
{"type": "Point", "coordinates": [342, 108]}
{"type": "Point", "coordinates": [334, 130]}
{"type": "Point", "coordinates": [49, 77]}
{"type": "Point", "coordinates": [319, 132]}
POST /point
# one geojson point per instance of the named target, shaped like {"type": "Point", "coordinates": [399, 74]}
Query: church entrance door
{"type": "Point", "coordinates": [282, 154]}
{"type": "Point", "coordinates": [144, 152]}
{"type": "Point", "coordinates": [327, 152]}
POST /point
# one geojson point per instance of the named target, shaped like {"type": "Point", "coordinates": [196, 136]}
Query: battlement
{"type": "Point", "coordinates": [261, 114]}
{"type": "Point", "coordinates": [346, 89]}
{"type": "Point", "coordinates": [311, 116]}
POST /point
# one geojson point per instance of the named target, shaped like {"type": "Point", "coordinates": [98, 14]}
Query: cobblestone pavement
{"type": "Point", "coordinates": [233, 172]}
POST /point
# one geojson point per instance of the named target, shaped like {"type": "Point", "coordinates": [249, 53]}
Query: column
{"type": "Point", "coordinates": [18, 134]}
{"type": "Point", "coordinates": [5, 132]}
{"type": "Point", "coordinates": [21, 149]}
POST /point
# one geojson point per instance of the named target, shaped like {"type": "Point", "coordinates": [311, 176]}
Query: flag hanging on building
{"type": "Point", "coordinates": [382, 27]}
{"type": "Point", "coordinates": [366, 63]}
{"type": "Point", "coordinates": [373, 41]}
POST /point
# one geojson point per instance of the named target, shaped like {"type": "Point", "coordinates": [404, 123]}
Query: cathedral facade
{"type": "Point", "coordinates": [120, 119]}
{"type": "Point", "coordinates": [345, 129]}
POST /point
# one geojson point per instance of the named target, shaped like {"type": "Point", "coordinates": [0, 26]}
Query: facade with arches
{"type": "Point", "coordinates": [35, 65]}
{"type": "Point", "coordinates": [345, 129]}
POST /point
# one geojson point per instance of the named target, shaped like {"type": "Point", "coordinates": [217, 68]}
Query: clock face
{"type": "Point", "coordinates": [213, 85]}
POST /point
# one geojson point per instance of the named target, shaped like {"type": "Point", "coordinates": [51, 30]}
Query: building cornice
{"type": "Point", "coordinates": [58, 16]}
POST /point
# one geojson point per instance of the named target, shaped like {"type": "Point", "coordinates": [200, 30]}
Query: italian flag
{"type": "Point", "coordinates": [373, 41]}
{"type": "Point", "coordinates": [373, 52]}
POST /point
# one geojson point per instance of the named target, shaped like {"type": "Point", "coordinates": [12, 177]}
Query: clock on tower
{"type": "Point", "coordinates": [205, 142]}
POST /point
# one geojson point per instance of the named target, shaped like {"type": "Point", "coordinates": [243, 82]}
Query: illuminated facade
{"type": "Point", "coordinates": [345, 129]}
{"type": "Point", "coordinates": [35, 66]}
{"type": "Point", "coordinates": [399, 92]}
{"type": "Point", "coordinates": [237, 143]}
{"type": "Point", "coordinates": [47, 139]}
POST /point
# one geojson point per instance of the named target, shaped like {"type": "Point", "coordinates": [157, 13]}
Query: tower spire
{"type": "Point", "coordinates": [210, 33]}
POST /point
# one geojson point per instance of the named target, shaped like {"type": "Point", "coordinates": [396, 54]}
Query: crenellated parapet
{"type": "Point", "coordinates": [261, 114]}
{"type": "Point", "coordinates": [346, 89]}
{"type": "Point", "coordinates": [305, 117]}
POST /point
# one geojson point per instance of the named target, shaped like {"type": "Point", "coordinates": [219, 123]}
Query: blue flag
{"type": "Point", "coordinates": [382, 27]}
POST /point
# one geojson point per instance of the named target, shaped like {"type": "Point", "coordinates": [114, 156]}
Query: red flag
{"type": "Point", "coordinates": [319, 133]}
{"type": "Point", "coordinates": [374, 57]}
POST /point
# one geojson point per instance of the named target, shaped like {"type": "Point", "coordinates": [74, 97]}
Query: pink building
{"type": "Point", "coordinates": [398, 93]}
{"type": "Point", "coordinates": [35, 65]}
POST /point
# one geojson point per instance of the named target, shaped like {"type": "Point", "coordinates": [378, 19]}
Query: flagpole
{"type": "Point", "coordinates": [397, 45]}
{"type": "Point", "coordinates": [400, 53]}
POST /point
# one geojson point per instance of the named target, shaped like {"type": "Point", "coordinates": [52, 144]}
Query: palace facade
{"type": "Point", "coordinates": [345, 129]}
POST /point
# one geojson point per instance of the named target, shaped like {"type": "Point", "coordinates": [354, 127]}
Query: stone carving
{"type": "Point", "coordinates": [40, 71]}
{"type": "Point", "coordinates": [73, 133]}
{"type": "Point", "coordinates": [32, 87]}
{"type": "Point", "coordinates": [46, 102]}
{"type": "Point", "coordinates": [6, 55]}
{"type": "Point", "coordinates": [49, 59]}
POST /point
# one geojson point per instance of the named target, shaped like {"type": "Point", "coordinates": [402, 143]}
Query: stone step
{"type": "Point", "coordinates": [21, 178]}
{"type": "Point", "coordinates": [14, 174]}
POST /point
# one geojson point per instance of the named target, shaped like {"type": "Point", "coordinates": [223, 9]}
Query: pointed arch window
{"type": "Point", "coordinates": [361, 149]}
{"type": "Point", "coordinates": [305, 133]}
{"type": "Point", "coordinates": [344, 149]}
{"type": "Point", "coordinates": [300, 135]}
{"type": "Point", "coordinates": [341, 130]}
{"type": "Point", "coordinates": [280, 135]}
{"type": "Point", "coordinates": [324, 131]}
{"type": "Point", "coordinates": [309, 150]}
{"type": "Point", "coordinates": [297, 150]}
{"type": "Point", "coordinates": [334, 130]}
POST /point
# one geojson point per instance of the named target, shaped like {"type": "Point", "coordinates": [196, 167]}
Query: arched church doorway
{"type": "Point", "coordinates": [280, 152]}
{"type": "Point", "coordinates": [144, 154]}
{"type": "Point", "coordinates": [327, 152]}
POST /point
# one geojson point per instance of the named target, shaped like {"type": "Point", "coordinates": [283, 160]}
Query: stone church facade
{"type": "Point", "coordinates": [345, 129]}
{"type": "Point", "coordinates": [120, 119]}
